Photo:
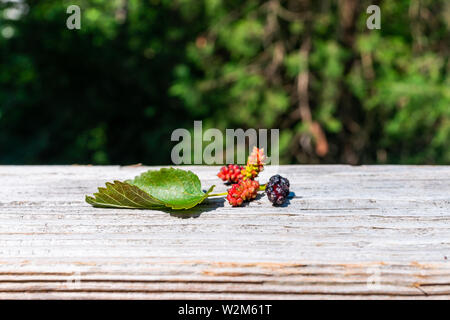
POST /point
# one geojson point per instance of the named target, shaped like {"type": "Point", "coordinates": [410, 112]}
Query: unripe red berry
{"type": "Point", "coordinates": [244, 190]}
{"type": "Point", "coordinates": [231, 173]}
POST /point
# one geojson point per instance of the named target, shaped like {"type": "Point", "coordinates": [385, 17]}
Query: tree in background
{"type": "Point", "coordinates": [114, 91]}
{"type": "Point", "coordinates": [338, 91]}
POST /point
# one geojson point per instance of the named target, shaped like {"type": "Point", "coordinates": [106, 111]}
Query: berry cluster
{"type": "Point", "coordinates": [244, 190]}
{"type": "Point", "coordinates": [277, 190]}
{"type": "Point", "coordinates": [245, 187]}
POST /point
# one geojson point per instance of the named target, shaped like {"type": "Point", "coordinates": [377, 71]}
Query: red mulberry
{"type": "Point", "coordinates": [231, 173]}
{"type": "Point", "coordinates": [245, 190]}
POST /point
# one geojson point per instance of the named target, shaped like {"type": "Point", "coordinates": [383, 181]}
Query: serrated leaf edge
{"type": "Point", "coordinates": [159, 204]}
{"type": "Point", "coordinates": [101, 194]}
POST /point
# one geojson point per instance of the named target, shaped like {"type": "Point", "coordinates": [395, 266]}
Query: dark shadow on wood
{"type": "Point", "coordinates": [292, 195]}
{"type": "Point", "coordinates": [258, 197]}
{"type": "Point", "coordinates": [288, 202]}
{"type": "Point", "coordinates": [208, 205]}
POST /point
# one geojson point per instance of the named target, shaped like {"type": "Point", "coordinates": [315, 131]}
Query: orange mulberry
{"type": "Point", "coordinates": [244, 190]}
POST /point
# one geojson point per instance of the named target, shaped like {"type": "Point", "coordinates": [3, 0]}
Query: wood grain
{"type": "Point", "coordinates": [348, 232]}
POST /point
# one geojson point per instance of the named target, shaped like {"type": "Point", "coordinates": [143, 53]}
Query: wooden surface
{"type": "Point", "coordinates": [348, 232]}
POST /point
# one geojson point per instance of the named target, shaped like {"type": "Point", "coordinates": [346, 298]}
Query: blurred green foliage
{"type": "Point", "coordinates": [114, 91]}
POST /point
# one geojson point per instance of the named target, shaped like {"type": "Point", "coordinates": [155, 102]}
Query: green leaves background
{"type": "Point", "coordinates": [166, 188]}
{"type": "Point", "coordinates": [380, 96]}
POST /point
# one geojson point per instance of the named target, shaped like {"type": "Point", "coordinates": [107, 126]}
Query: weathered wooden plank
{"type": "Point", "coordinates": [348, 232]}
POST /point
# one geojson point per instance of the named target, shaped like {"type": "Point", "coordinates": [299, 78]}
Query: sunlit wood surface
{"type": "Point", "coordinates": [347, 232]}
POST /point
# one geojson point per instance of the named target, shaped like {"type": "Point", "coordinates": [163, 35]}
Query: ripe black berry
{"type": "Point", "coordinates": [277, 190]}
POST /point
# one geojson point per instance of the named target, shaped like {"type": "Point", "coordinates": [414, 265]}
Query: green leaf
{"type": "Point", "coordinates": [172, 188]}
{"type": "Point", "coordinates": [123, 195]}
{"type": "Point", "coordinates": [176, 188]}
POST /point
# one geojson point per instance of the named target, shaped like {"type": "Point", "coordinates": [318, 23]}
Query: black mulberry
{"type": "Point", "coordinates": [277, 190]}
